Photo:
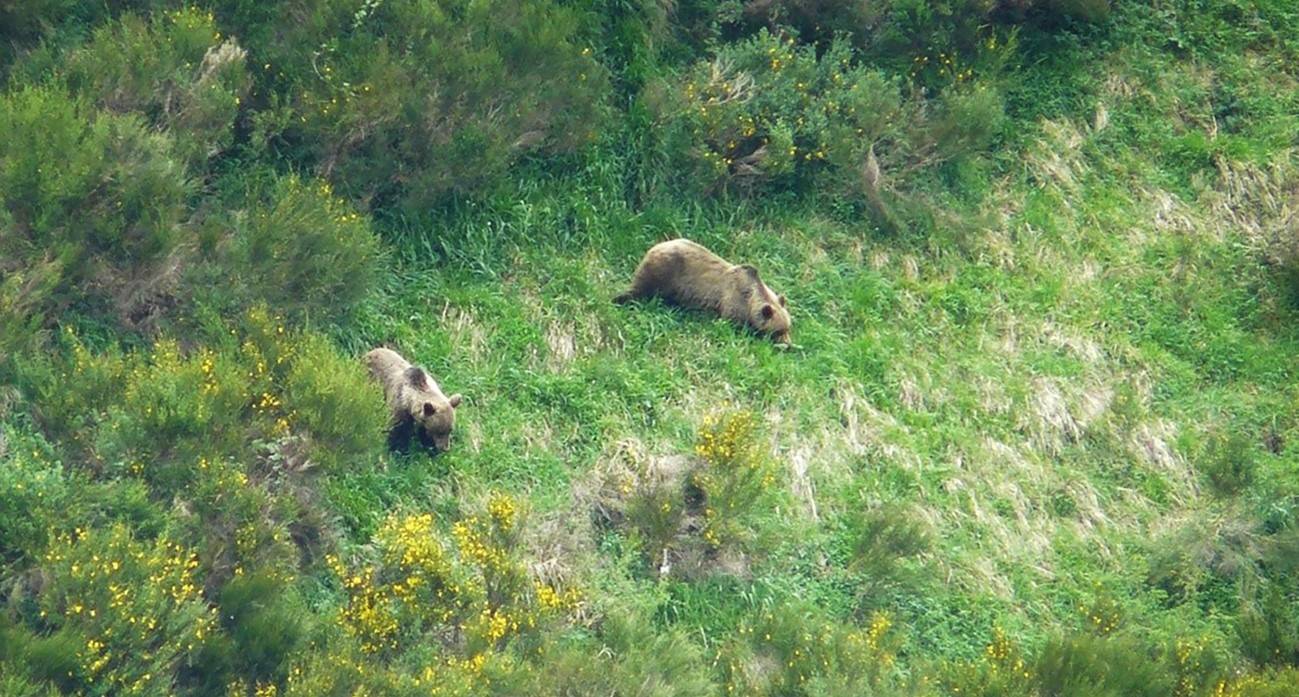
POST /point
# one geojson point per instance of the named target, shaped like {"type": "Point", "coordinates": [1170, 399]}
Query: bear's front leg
{"type": "Point", "coordinates": [399, 435]}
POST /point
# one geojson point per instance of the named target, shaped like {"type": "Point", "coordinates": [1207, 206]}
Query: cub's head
{"type": "Point", "coordinates": [434, 413]}
{"type": "Point", "coordinates": [768, 311]}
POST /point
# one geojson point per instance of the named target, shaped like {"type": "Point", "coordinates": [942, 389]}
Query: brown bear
{"type": "Point", "coordinates": [687, 274]}
{"type": "Point", "coordinates": [416, 401]}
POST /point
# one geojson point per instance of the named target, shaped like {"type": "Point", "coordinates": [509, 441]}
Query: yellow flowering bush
{"type": "Point", "coordinates": [136, 606]}
{"type": "Point", "coordinates": [470, 589]}
{"type": "Point", "coordinates": [796, 650]}
{"type": "Point", "coordinates": [735, 478]}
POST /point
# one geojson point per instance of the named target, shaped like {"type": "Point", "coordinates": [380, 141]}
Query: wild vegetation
{"type": "Point", "coordinates": [1037, 435]}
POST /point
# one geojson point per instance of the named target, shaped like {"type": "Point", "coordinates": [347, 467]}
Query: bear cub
{"type": "Point", "coordinates": [417, 404]}
{"type": "Point", "coordinates": [688, 274]}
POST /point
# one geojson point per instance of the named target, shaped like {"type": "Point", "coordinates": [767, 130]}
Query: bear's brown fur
{"type": "Point", "coordinates": [687, 274]}
{"type": "Point", "coordinates": [415, 400]}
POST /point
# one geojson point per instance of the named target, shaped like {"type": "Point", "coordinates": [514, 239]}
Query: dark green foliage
{"type": "Point", "coordinates": [1085, 666]}
{"type": "Point", "coordinates": [265, 622]}
{"type": "Point", "coordinates": [1229, 464]}
{"type": "Point", "coordinates": [1269, 627]}
{"type": "Point", "coordinates": [297, 248]}
{"type": "Point", "coordinates": [175, 70]}
{"type": "Point", "coordinates": [414, 101]}
{"type": "Point", "coordinates": [91, 206]}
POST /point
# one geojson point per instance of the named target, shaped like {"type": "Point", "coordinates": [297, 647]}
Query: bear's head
{"type": "Point", "coordinates": [434, 412]}
{"type": "Point", "coordinates": [768, 311]}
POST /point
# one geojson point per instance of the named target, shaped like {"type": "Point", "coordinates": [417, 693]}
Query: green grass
{"type": "Point", "coordinates": [1037, 381]}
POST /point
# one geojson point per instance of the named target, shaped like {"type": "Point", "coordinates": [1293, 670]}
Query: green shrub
{"type": "Point", "coordinates": [767, 111]}
{"type": "Point", "coordinates": [336, 402]}
{"type": "Point", "coordinates": [474, 585]}
{"type": "Point", "coordinates": [33, 495]}
{"type": "Point", "coordinates": [303, 252]}
{"type": "Point", "coordinates": [414, 101]}
{"type": "Point", "coordinates": [266, 622]}
{"type": "Point", "coordinates": [91, 204]}
{"type": "Point", "coordinates": [880, 538]}
{"type": "Point", "coordinates": [1229, 464]}
{"type": "Point", "coordinates": [173, 69]}
{"type": "Point", "coordinates": [629, 655]}
{"type": "Point", "coordinates": [155, 413]}
{"type": "Point", "coordinates": [736, 479]}
{"type": "Point", "coordinates": [1087, 666]}
{"type": "Point", "coordinates": [795, 650]}
{"type": "Point", "coordinates": [1269, 628]}
{"type": "Point", "coordinates": [136, 607]}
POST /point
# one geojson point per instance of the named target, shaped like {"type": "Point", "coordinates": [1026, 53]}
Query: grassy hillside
{"type": "Point", "coordinates": [1038, 433]}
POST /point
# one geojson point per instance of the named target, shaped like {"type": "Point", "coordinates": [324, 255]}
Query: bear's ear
{"type": "Point", "coordinates": [454, 400]}
{"type": "Point", "coordinates": [417, 377]}
{"type": "Point", "coordinates": [768, 311]}
{"type": "Point", "coordinates": [782, 301]}
{"type": "Point", "coordinates": [429, 409]}
{"type": "Point", "coordinates": [750, 270]}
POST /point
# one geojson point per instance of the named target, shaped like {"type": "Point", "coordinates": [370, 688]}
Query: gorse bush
{"type": "Point", "coordinates": [468, 590]}
{"type": "Point", "coordinates": [33, 492]}
{"type": "Point", "coordinates": [736, 481]}
{"type": "Point", "coordinates": [767, 111]}
{"type": "Point", "coordinates": [156, 412]}
{"type": "Point", "coordinates": [794, 650]}
{"type": "Point", "coordinates": [768, 114]}
{"type": "Point", "coordinates": [686, 513]}
{"type": "Point", "coordinates": [134, 607]}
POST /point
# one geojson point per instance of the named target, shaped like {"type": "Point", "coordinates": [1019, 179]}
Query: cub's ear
{"type": "Point", "coordinates": [454, 400]}
{"type": "Point", "coordinates": [782, 302]}
{"type": "Point", "coordinates": [768, 311]}
{"type": "Point", "coordinates": [750, 270]}
{"type": "Point", "coordinates": [429, 409]}
{"type": "Point", "coordinates": [417, 377]}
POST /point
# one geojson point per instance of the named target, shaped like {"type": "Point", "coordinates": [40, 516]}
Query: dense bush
{"type": "Point", "coordinates": [174, 69]}
{"type": "Point", "coordinates": [794, 650]}
{"type": "Point", "coordinates": [701, 514]}
{"type": "Point", "coordinates": [33, 493]}
{"type": "Point", "coordinates": [767, 113]}
{"type": "Point", "coordinates": [131, 609]}
{"type": "Point", "coordinates": [301, 250]}
{"type": "Point", "coordinates": [92, 205]}
{"type": "Point", "coordinates": [413, 101]}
